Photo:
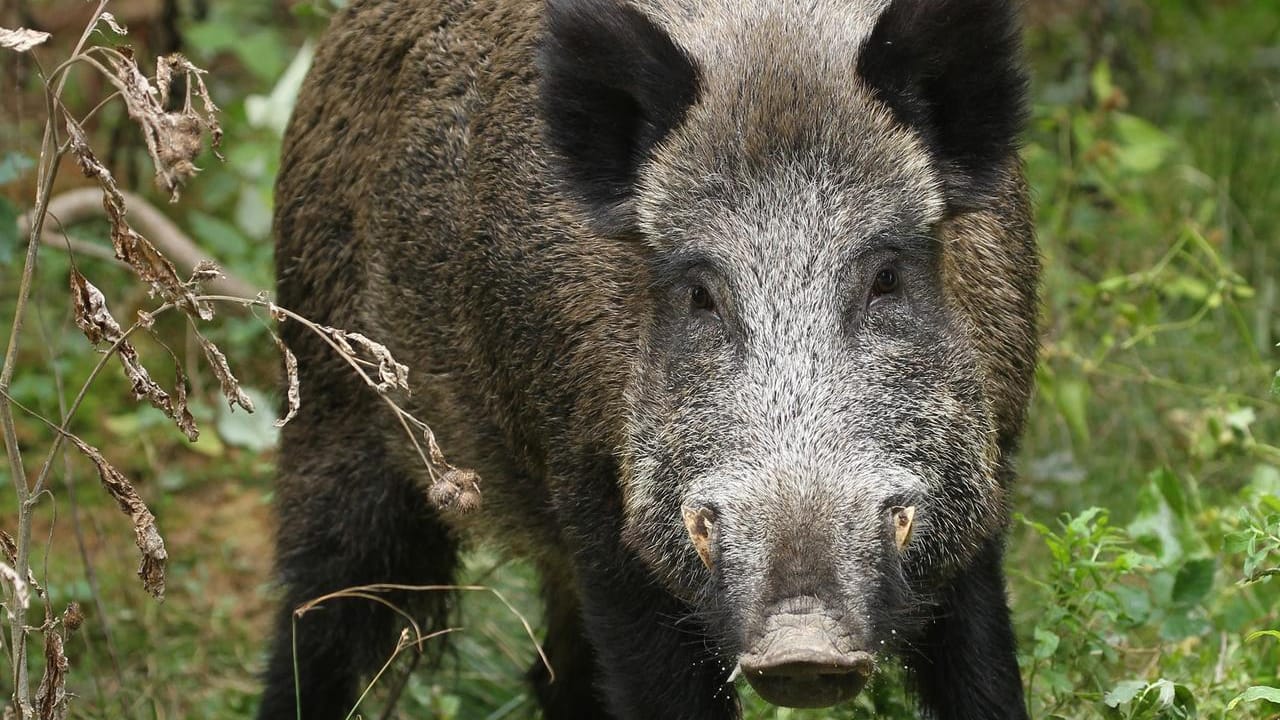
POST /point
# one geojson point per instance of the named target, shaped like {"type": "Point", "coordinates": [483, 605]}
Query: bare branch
{"type": "Point", "coordinates": [76, 206]}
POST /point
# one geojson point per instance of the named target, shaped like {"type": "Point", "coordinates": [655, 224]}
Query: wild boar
{"type": "Point", "coordinates": [732, 306]}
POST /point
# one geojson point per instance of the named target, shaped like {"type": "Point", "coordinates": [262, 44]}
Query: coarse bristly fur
{"type": "Point", "coordinates": [766, 260]}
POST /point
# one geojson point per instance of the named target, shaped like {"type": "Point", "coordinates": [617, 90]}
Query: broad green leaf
{"type": "Point", "coordinates": [1046, 644]}
{"type": "Point", "coordinates": [13, 166]}
{"type": "Point", "coordinates": [1256, 693]}
{"type": "Point", "coordinates": [1135, 602]}
{"type": "Point", "coordinates": [219, 237]}
{"type": "Point", "coordinates": [1072, 398]}
{"type": "Point", "coordinates": [1264, 482]}
{"type": "Point", "coordinates": [253, 213]}
{"type": "Point", "coordinates": [1237, 542]}
{"type": "Point", "coordinates": [273, 110]}
{"type": "Point", "coordinates": [1183, 622]}
{"type": "Point", "coordinates": [1241, 419]}
{"type": "Point", "coordinates": [1194, 581]}
{"type": "Point", "coordinates": [263, 53]}
{"type": "Point", "coordinates": [1171, 490]}
{"type": "Point", "coordinates": [1143, 146]}
{"type": "Point", "coordinates": [1156, 521]}
{"type": "Point", "coordinates": [1166, 695]}
{"type": "Point", "coordinates": [253, 431]}
{"type": "Point", "coordinates": [209, 445]}
{"type": "Point", "coordinates": [1124, 692]}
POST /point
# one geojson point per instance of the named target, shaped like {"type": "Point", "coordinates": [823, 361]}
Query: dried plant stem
{"type": "Point", "coordinates": [103, 619]}
{"type": "Point", "coordinates": [405, 419]}
{"type": "Point", "coordinates": [393, 698]}
{"type": "Point", "coordinates": [62, 427]}
{"type": "Point", "coordinates": [50, 155]}
{"type": "Point", "coordinates": [25, 498]}
{"type": "Point", "coordinates": [404, 643]}
{"type": "Point", "coordinates": [367, 591]}
{"type": "Point", "coordinates": [76, 206]}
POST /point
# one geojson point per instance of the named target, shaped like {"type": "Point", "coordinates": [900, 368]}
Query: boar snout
{"type": "Point", "coordinates": [802, 660]}
{"type": "Point", "coordinates": [812, 577]}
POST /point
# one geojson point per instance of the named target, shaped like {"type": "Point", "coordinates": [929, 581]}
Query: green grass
{"type": "Point", "coordinates": [1154, 153]}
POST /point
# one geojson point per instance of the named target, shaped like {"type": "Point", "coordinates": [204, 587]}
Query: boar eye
{"type": "Point", "coordinates": [886, 282]}
{"type": "Point", "coordinates": [700, 299]}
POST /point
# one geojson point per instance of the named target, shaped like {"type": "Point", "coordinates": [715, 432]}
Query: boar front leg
{"type": "Point", "coordinates": [652, 660]}
{"type": "Point", "coordinates": [965, 665]}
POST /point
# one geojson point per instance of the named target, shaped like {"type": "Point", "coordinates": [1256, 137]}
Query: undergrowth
{"type": "Point", "coordinates": [1142, 563]}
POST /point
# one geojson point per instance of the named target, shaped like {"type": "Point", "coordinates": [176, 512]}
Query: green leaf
{"type": "Point", "coordinates": [1262, 633]}
{"type": "Point", "coordinates": [256, 431]}
{"type": "Point", "coordinates": [1182, 622]}
{"type": "Point", "coordinates": [1241, 419]}
{"type": "Point", "coordinates": [1124, 692]}
{"type": "Point", "coordinates": [263, 53]}
{"type": "Point", "coordinates": [211, 37]}
{"type": "Point", "coordinates": [1166, 695]}
{"type": "Point", "coordinates": [1186, 287]}
{"type": "Point", "coordinates": [1237, 542]}
{"type": "Point", "coordinates": [1100, 81]}
{"type": "Point", "coordinates": [13, 166]}
{"type": "Point", "coordinates": [273, 110]}
{"type": "Point", "coordinates": [221, 238]}
{"type": "Point", "coordinates": [1143, 147]}
{"type": "Point", "coordinates": [1256, 693]}
{"type": "Point", "coordinates": [1135, 602]}
{"type": "Point", "coordinates": [1164, 516]}
{"type": "Point", "coordinates": [1072, 397]}
{"type": "Point", "coordinates": [1194, 581]}
{"type": "Point", "coordinates": [1046, 644]}
{"type": "Point", "coordinates": [1275, 384]}
{"type": "Point", "coordinates": [1171, 489]}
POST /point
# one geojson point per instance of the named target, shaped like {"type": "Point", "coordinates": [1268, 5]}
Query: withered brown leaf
{"type": "Point", "coordinates": [51, 694]}
{"type": "Point", "coordinates": [391, 374]}
{"type": "Point", "coordinates": [293, 395]}
{"type": "Point", "coordinates": [146, 534]}
{"type": "Point", "coordinates": [91, 313]}
{"type": "Point", "coordinates": [99, 326]}
{"type": "Point", "coordinates": [230, 385]}
{"type": "Point", "coordinates": [22, 39]}
{"type": "Point", "coordinates": [130, 247]}
{"type": "Point", "coordinates": [173, 139]}
{"type": "Point", "coordinates": [112, 23]}
{"type": "Point", "coordinates": [21, 591]}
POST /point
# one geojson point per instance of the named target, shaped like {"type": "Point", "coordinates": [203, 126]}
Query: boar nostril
{"type": "Point", "coordinates": [903, 519]}
{"type": "Point", "coordinates": [701, 523]}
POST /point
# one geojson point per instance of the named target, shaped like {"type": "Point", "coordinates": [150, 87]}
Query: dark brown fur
{"type": "Point", "coordinates": [415, 173]}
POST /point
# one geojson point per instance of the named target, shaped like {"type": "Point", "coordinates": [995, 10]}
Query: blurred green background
{"type": "Point", "coordinates": [1149, 505]}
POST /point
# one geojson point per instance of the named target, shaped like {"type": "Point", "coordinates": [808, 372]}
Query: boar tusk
{"type": "Point", "coordinates": [903, 517]}
{"type": "Point", "coordinates": [700, 523]}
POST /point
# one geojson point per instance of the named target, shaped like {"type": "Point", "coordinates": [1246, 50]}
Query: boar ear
{"type": "Point", "coordinates": [613, 85]}
{"type": "Point", "coordinates": [952, 70]}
